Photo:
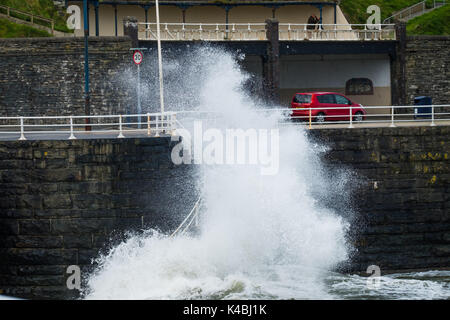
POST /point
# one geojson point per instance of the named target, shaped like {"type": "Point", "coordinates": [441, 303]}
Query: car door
{"type": "Point", "coordinates": [343, 105]}
{"type": "Point", "coordinates": [327, 101]}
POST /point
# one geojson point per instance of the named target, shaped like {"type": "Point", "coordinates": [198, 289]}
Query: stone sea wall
{"type": "Point", "coordinates": [61, 202]}
{"type": "Point", "coordinates": [401, 194]}
{"type": "Point", "coordinates": [45, 76]}
{"type": "Point", "coordinates": [428, 68]}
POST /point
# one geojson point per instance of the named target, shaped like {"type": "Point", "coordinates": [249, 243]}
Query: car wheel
{"type": "Point", "coordinates": [320, 117]}
{"type": "Point", "coordinates": [358, 116]}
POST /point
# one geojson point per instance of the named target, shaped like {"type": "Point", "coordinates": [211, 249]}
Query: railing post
{"type": "Point", "coordinates": [351, 118]}
{"type": "Point", "coordinates": [22, 135]}
{"type": "Point", "coordinates": [310, 118]}
{"type": "Point", "coordinates": [392, 117]}
{"type": "Point", "coordinates": [148, 124]}
{"type": "Point", "coordinates": [120, 128]}
{"type": "Point", "coordinates": [156, 126]}
{"type": "Point", "coordinates": [72, 136]}
{"type": "Point", "coordinates": [173, 125]}
{"type": "Point", "coordinates": [432, 117]}
{"type": "Point", "coordinates": [196, 221]}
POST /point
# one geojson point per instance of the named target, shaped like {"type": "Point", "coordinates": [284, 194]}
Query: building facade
{"type": "Point", "coordinates": [363, 76]}
{"type": "Point", "coordinates": [105, 17]}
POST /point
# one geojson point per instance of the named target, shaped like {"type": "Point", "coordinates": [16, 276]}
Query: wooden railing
{"type": "Point", "coordinates": [29, 17]}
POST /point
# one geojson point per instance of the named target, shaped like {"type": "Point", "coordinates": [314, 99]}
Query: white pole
{"type": "Point", "coordinates": [158, 33]}
{"type": "Point", "coordinates": [22, 130]}
{"type": "Point", "coordinates": [432, 116]}
{"type": "Point", "coordinates": [392, 117]}
{"type": "Point", "coordinates": [351, 117]}
{"type": "Point", "coordinates": [139, 109]}
{"type": "Point", "coordinates": [120, 128]}
{"type": "Point", "coordinates": [71, 137]}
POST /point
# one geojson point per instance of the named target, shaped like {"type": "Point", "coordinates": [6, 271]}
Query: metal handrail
{"type": "Point", "coordinates": [154, 124]}
{"type": "Point", "coordinates": [256, 31]}
{"type": "Point", "coordinates": [33, 17]}
{"type": "Point", "coordinates": [422, 9]}
{"type": "Point", "coordinates": [189, 219]}
{"type": "Point", "coordinates": [391, 115]}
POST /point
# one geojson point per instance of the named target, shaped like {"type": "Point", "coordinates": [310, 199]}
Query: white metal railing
{"type": "Point", "coordinates": [345, 32]}
{"type": "Point", "coordinates": [407, 13]}
{"type": "Point", "coordinates": [191, 218]}
{"type": "Point", "coordinates": [151, 124]}
{"type": "Point", "coordinates": [415, 10]}
{"type": "Point", "coordinates": [374, 116]}
{"type": "Point", "coordinates": [154, 124]}
{"type": "Point", "coordinates": [257, 31]}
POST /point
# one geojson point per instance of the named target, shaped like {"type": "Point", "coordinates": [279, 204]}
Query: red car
{"type": "Point", "coordinates": [326, 106]}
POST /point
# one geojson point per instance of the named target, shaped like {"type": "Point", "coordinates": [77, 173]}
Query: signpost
{"type": "Point", "coordinates": [138, 57]}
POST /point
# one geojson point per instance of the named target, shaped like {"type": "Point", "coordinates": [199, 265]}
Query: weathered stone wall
{"type": "Point", "coordinates": [428, 68]}
{"type": "Point", "coordinates": [402, 198]}
{"type": "Point", "coordinates": [62, 201]}
{"type": "Point", "coordinates": [45, 76]}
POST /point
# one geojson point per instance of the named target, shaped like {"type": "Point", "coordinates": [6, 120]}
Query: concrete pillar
{"type": "Point", "coordinates": [97, 28]}
{"type": "Point", "coordinates": [130, 29]}
{"type": "Point", "coordinates": [398, 67]}
{"type": "Point", "coordinates": [271, 62]}
{"type": "Point", "coordinates": [115, 20]}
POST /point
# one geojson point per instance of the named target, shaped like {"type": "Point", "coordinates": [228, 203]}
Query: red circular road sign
{"type": "Point", "coordinates": [138, 57]}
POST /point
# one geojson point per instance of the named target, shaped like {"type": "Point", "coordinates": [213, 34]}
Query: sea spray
{"type": "Point", "coordinates": [261, 236]}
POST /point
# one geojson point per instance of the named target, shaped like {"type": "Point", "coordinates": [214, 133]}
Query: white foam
{"type": "Point", "coordinates": [261, 236]}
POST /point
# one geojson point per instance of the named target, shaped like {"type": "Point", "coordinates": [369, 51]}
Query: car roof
{"type": "Point", "coordinates": [321, 92]}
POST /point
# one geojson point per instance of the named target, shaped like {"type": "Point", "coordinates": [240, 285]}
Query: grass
{"type": "Point", "coordinates": [436, 22]}
{"type": "Point", "coordinates": [355, 10]}
{"type": "Point", "coordinates": [43, 8]}
{"type": "Point", "coordinates": [13, 30]}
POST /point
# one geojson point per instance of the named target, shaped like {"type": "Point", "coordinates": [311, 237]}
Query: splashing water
{"type": "Point", "coordinates": [261, 237]}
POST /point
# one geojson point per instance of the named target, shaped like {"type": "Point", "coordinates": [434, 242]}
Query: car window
{"type": "Point", "coordinates": [302, 98]}
{"type": "Point", "coordinates": [326, 98]}
{"type": "Point", "coordinates": [341, 100]}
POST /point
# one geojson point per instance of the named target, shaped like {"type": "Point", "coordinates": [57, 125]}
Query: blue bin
{"type": "Point", "coordinates": [425, 111]}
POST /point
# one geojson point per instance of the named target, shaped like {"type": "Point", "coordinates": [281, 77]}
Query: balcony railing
{"type": "Point", "coordinates": [257, 32]}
